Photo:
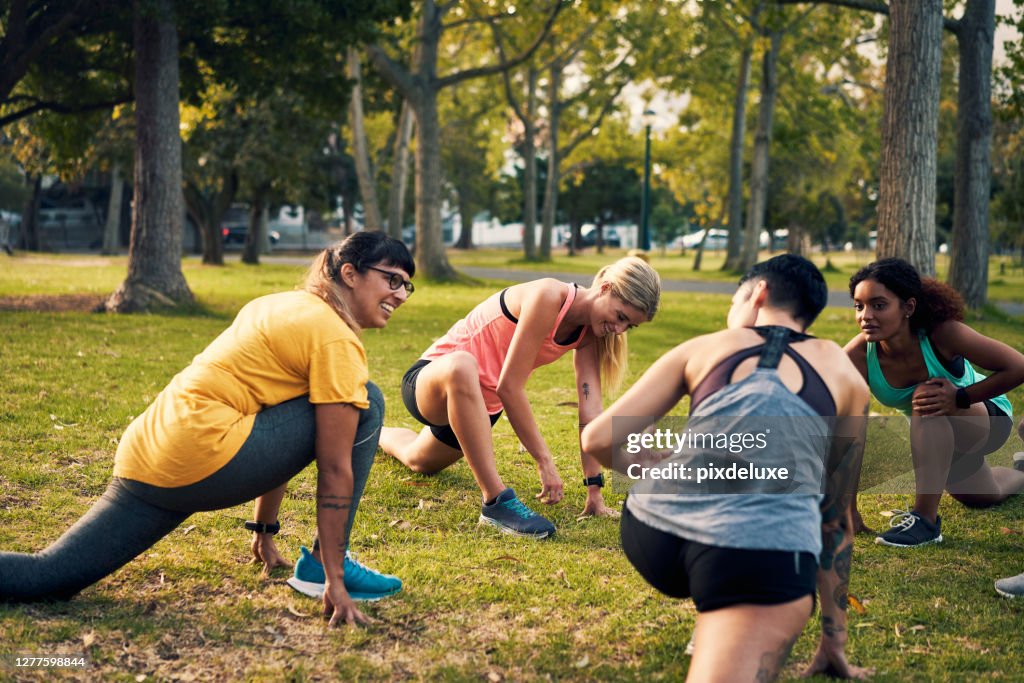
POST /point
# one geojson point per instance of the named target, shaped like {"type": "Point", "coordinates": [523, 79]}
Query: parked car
{"type": "Point", "coordinates": [234, 226]}
{"type": "Point", "coordinates": [588, 238]}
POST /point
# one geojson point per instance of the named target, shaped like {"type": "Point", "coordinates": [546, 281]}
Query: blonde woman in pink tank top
{"type": "Point", "coordinates": [479, 368]}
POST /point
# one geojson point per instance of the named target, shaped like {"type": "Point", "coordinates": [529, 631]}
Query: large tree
{"type": "Point", "coordinates": [974, 32]}
{"type": "Point", "coordinates": [419, 83]}
{"type": "Point", "coordinates": [154, 262]}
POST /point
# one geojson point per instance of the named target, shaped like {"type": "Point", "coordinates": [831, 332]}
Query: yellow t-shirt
{"type": "Point", "coordinates": [279, 347]}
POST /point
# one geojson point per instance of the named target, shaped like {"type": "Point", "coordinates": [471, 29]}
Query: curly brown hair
{"type": "Point", "coordinates": [937, 302]}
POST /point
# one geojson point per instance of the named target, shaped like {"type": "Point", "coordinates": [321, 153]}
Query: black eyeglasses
{"type": "Point", "coordinates": [395, 280]}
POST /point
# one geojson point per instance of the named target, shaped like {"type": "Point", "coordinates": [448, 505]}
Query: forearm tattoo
{"type": "Point", "coordinates": [843, 561]}
{"type": "Point", "coordinates": [829, 627]}
{"type": "Point", "coordinates": [331, 502]}
{"type": "Point", "coordinates": [586, 391]}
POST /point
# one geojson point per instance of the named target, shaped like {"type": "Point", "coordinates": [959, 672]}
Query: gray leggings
{"type": "Point", "coordinates": [131, 516]}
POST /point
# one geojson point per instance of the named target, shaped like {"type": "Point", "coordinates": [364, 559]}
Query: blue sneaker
{"type": "Point", "coordinates": [361, 582]}
{"type": "Point", "coordinates": [509, 514]}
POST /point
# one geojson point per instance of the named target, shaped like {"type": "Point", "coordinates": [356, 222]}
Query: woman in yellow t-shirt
{"type": "Point", "coordinates": [287, 382]}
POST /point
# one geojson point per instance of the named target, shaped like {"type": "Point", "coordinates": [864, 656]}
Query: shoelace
{"type": "Point", "coordinates": [361, 568]}
{"type": "Point", "coordinates": [517, 506]}
{"type": "Point", "coordinates": [902, 519]}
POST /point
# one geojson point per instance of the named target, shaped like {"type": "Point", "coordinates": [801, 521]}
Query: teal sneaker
{"type": "Point", "coordinates": [509, 514]}
{"type": "Point", "coordinates": [361, 582]}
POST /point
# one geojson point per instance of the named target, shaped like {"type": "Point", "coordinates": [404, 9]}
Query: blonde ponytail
{"type": "Point", "coordinates": [634, 281]}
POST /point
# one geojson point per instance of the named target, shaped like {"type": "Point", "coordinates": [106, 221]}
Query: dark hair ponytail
{"type": "Point", "coordinates": [936, 301]}
{"type": "Point", "coordinates": [362, 250]}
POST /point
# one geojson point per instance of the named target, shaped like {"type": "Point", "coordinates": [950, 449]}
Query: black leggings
{"type": "Point", "coordinates": [131, 516]}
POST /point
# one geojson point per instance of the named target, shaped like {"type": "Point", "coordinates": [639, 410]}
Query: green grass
{"type": "Point", "coordinates": [1004, 285]}
{"type": "Point", "coordinates": [477, 605]}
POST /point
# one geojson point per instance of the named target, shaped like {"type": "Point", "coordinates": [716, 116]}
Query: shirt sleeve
{"type": "Point", "coordinates": [338, 374]}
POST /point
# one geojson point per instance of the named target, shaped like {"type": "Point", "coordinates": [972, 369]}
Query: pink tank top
{"type": "Point", "coordinates": [487, 332]}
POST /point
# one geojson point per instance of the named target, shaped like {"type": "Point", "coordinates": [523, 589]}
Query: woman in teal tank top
{"type": "Point", "coordinates": [918, 357]}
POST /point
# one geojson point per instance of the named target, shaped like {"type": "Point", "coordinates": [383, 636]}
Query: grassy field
{"type": "Point", "coordinates": [1006, 277]}
{"type": "Point", "coordinates": [477, 605]}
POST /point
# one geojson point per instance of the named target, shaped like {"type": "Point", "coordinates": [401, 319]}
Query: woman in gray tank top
{"type": "Point", "coordinates": [751, 510]}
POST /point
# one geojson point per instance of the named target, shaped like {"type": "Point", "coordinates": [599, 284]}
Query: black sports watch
{"type": "Point", "coordinates": [597, 480]}
{"type": "Point", "coordinates": [963, 401]}
{"type": "Point", "coordinates": [264, 527]}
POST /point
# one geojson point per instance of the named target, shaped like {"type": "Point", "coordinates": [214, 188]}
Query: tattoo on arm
{"type": "Point", "coordinates": [842, 563]}
{"type": "Point", "coordinates": [586, 391]}
{"type": "Point", "coordinates": [332, 502]}
{"type": "Point", "coordinates": [829, 627]}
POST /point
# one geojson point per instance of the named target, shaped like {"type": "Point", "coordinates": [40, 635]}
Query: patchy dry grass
{"type": "Point", "coordinates": [477, 605]}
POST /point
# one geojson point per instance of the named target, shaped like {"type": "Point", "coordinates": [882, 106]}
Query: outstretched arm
{"type": "Point", "coordinates": [588, 391]}
{"type": "Point", "coordinates": [265, 510]}
{"type": "Point", "coordinates": [336, 425]}
{"type": "Point", "coordinates": [538, 312]}
{"type": "Point", "coordinates": [843, 473]}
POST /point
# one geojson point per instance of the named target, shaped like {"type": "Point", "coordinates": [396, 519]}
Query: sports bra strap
{"type": "Point", "coordinates": [776, 340]}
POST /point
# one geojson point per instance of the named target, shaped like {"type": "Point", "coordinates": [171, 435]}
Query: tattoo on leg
{"type": "Point", "coordinates": [772, 662]}
{"type": "Point", "coordinates": [586, 391]}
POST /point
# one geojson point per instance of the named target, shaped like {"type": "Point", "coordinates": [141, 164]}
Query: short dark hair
{"type": "Point", "coordinates": [794, 284]}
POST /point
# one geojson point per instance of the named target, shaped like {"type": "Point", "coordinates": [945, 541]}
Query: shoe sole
{"type": "Point", "coordinates": [505, 530]}
{"type": "Point", "coordinates": [881, 541]}
{"type": "Point", "coordinates": [316, 590]}
{"type": "Point", "coordinates": [1007, 595]}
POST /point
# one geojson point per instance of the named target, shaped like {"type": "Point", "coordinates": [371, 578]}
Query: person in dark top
{"type": "Point", "coordinates": [751, 562]}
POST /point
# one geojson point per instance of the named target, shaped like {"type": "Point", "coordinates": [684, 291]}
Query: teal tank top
{"type": "Point", "coordinates": [899, 398]}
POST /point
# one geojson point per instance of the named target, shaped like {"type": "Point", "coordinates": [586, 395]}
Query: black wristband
{"type": "Point", "coordinates": [264, 527]}
{"type": "Point", "coordinates": [963, 401]}
{"type": "Point", "coordinates": [597, 480]}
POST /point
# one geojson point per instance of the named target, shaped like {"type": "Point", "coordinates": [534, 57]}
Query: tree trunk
{"type": "Point", "coordinates": [762, 148]}
{"type": "Point", "coordinates": [360, 147]}
{"type": "Point", "coordinates": [112, 229]}
{"type": "Point", "coordinates": [28, 237]}
{"type": "Point", "coordinates": [154, 254]}
{"type": "Point", "coordinates": [465, 217]}
{"type": "Point", "coordinates": [550, 208]}
{"type": "Point", "coordinates": [400, 172]}
{"type": "Point", "coordinates": [256, 235]}
{"type": "Point", "coordinates": [968, 266]}
{"type": "Point", "coordinates": [530, 169]}
{"type": "Point", "coordinates": [699, 256]}
{"type": "Point", "coordinates": [735, 200]}
{"type": "Point", "coordinates": [907, 174]}
{"type": "Point", "coordinates": [430, 256]}
{"type": "Point", "coordinates": [575, 230]}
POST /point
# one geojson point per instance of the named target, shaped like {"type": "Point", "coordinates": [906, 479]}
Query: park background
{"type": "Point", "coordinates": [156, 140]}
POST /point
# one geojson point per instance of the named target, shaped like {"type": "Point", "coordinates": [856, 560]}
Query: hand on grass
{"type": "Point", "coordinates": [339, 608]}
{"type": "Point", "coordinates": [265, 551]}
{"type": "Point", "coordinates": [595, 507]}
{"type": "Point", "coordinates": [832, 662]}
{"type": "Point", "coordinates": [550, 484]}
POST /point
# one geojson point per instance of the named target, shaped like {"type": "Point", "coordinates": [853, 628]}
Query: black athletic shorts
{"type": "Point", "coordinates": [1000, 427]}
{"type": "Point", "coordinates": [442, 433]}
{"type": "Point", "coordinates": [716, 577]}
